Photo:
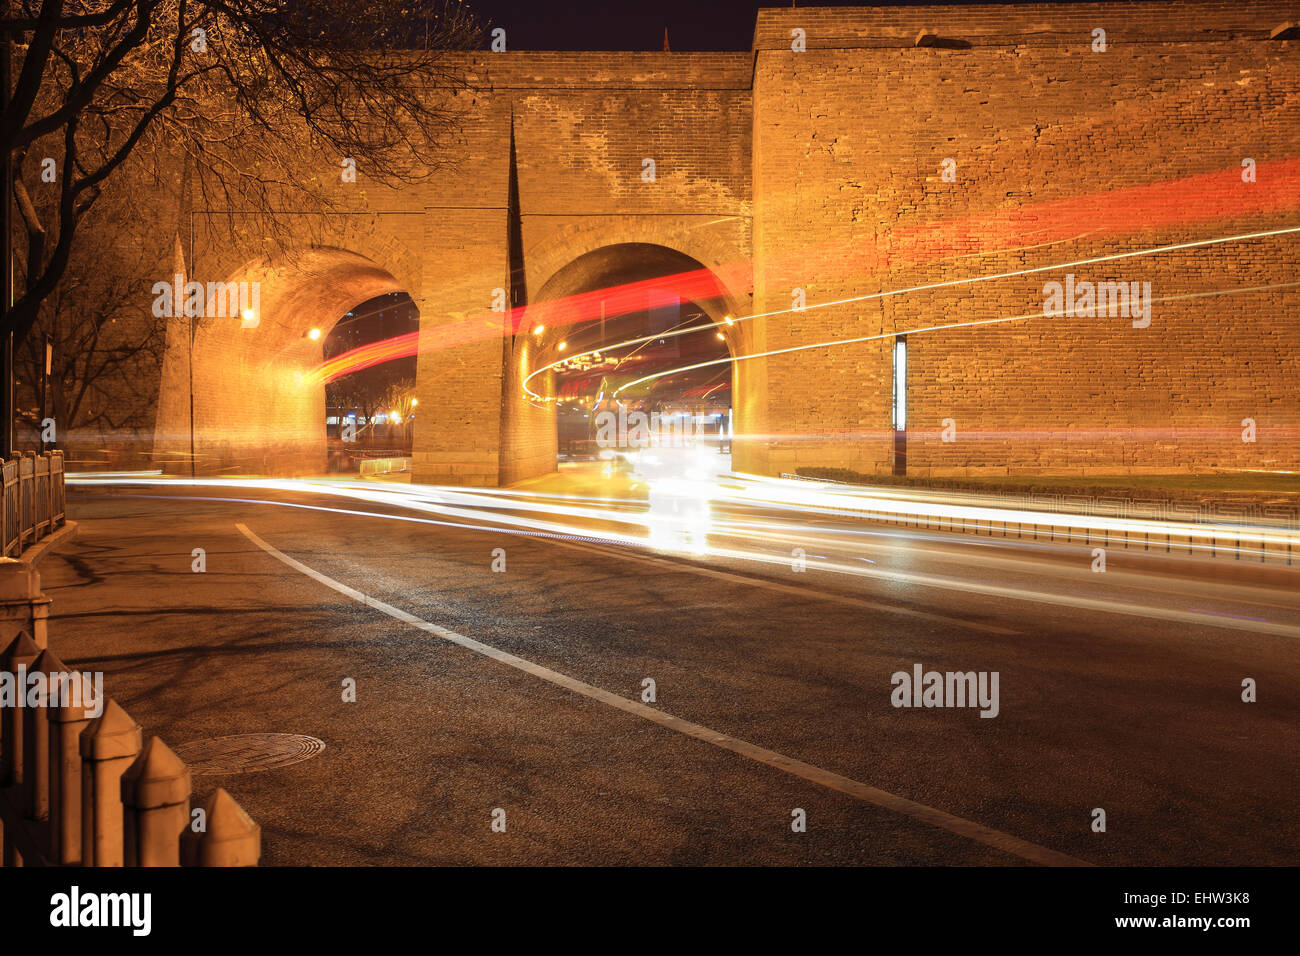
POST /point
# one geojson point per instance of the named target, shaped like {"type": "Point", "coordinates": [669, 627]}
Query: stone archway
{"type": "Point", "coordinates": [247, 397]}
{"type": "Point", "coordinates": [562, 305]}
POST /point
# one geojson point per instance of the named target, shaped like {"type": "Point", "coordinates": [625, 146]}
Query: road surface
{"type": "Point", "coordinates": [521, 690]}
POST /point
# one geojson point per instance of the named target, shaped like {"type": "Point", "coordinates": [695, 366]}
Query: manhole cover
{"type": "Point", "coordinates": [247, 753]}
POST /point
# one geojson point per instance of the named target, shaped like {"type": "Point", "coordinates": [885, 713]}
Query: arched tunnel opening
{"type": "Point", "coordinates": [640, 374]}
{"type": "Point", "coordinates": [245, 391]}
{"type": "Point", "coordinates": [370, 402]}
{"type": "Point", "coordinates": [684, 408]}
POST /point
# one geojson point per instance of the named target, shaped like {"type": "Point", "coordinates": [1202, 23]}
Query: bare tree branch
{"type": "Point", "coordinates": [238, 90]}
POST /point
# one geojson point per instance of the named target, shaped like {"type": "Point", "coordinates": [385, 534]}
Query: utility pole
{"type": "Point", "coordinates": [192, 465]}
{"type": "Point", "coordinates": [46, 366]}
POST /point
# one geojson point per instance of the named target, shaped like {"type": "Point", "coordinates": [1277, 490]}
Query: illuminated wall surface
{"type": "Point", "coordinates": [861, 164]}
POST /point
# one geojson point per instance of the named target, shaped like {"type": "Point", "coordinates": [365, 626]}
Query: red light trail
{"type": "Point", "coordinates": [1186, 201]}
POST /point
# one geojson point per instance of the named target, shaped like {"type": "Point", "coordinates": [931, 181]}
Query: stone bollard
{"type": "Point", "coordinates": [17, 660]}
{"type": "Point", "coordinates": [23, 606]}
{"type": "Point", "coordinates": [109, 744]}
{"type": "Point", "coordinates": [229, 836]}
{"type": "Point", "coordinates": [36, 734]}
{"type": "Point", "coordinates": [68, 718]}
{"type": "Point", "coordinates": [156, 803]}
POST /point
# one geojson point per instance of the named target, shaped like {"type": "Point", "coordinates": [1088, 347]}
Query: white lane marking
{"type": "Point", "coordinates": [598, 545]}
{"type": "Point", "coordinates": [809, 593]}
{"type": "Point", "coordinates": [1049, 564]}
{"type": "Point", "coordinates": [1103, 605]}
{"type": "Point", "coordinates": [908, 577]}
{"type": "Point", "coordinates": [977, 832]}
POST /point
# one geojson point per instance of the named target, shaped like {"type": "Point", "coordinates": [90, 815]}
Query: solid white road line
{"type": "Point", "coordinates": [996, 839]}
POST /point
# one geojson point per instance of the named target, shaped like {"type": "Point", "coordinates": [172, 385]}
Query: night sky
{"type": "Point", "coordinates": [637, 24]}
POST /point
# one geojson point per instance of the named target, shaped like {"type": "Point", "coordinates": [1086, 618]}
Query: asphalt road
{"type": "Point", "coordinates": [1119, 691]}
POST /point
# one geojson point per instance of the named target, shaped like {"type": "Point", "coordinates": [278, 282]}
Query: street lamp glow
{"type": "Point", "coordinates": [314, 334]}
{"type": "Point", "coordinates": [414, 402]}
{"type": "Point", "coordinates": [562, 346]}
{"type": "Point", "coordinates": [538, 329]}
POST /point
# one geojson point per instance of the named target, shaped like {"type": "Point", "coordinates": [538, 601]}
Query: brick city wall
{"type": "Point", "coordinates": [823, 171]}
{"type": "Point", "coordinates": [258, 401]}
{"type": "Point", "coordinates": [850, 139]}
{"type": "Point", "coordinates": [582, 125]}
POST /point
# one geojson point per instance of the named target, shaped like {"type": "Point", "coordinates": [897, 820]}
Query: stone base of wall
{"type": "Point", "coordinates": [467, 469]}
{"type": "Point", "coordinates": [282, 462]}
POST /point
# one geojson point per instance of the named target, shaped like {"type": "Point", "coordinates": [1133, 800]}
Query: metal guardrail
{"type": "Point", "coordinates": [33, 503]}
{"type": "Point", "coordinates": [1266, 533]}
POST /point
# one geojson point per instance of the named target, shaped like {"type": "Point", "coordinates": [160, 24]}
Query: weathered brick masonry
{"type": "Point", "coordinates": [822, 170]}
{"type": "Point", "coordinates": [850, 138]}
{"type": "Point", "coordinates": [582, 126]}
